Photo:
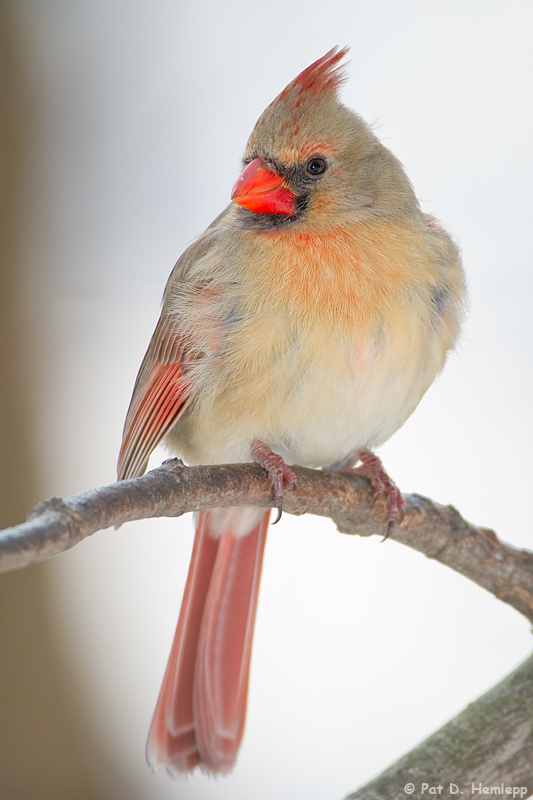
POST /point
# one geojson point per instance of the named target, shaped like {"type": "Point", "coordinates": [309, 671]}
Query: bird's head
{"type": "Point", "coordinates": [311, 160]}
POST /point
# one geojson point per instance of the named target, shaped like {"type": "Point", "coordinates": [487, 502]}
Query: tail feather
{"type": "Point", "coordinates": [200, 713]}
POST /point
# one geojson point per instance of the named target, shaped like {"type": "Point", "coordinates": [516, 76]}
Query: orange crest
{"type": "Point", "coordinates": [323, 76]}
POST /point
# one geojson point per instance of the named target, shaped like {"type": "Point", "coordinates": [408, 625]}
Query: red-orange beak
{"type": "Point", "coordinates": [262, 191]}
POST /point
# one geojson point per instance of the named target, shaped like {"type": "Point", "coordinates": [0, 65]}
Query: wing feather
{"type": "Point", "coordinates": [162, 391]}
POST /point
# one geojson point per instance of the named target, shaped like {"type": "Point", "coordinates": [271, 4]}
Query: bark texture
{"type": "Point", "coordinates": [439, 532]}
{"type": "Point", "coordinates": [489, 746]}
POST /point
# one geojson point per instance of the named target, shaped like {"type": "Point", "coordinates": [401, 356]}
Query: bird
{"type": "Point", "coordinates": [302, 327]}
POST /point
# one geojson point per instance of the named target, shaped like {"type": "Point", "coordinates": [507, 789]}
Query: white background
{"type": "Point", "coordinates": [361, 649]}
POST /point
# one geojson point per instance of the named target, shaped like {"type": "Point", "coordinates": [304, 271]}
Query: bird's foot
{"type": "Point", "coordinates": [279, 473]}
{"type": "Point", "coordinates": [372, 468]}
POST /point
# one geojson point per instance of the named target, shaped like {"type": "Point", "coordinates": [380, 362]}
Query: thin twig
{"type": "Point", "coordinates": [438, 532]}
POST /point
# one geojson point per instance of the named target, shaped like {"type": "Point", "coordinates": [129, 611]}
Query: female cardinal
{"type": "Point", "coordinates": [303, 326]}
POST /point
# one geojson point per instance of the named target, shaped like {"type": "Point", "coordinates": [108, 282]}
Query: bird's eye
{"type": "Point", "coordinates": [316, 166]}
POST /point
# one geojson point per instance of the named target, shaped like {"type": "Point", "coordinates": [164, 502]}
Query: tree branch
{"type": "Point", "coordinates": [489, 743]}
{"type": "Point", "coordinates": [439, 532]}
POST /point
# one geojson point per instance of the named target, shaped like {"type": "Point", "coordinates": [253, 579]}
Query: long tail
{"type": "Point", "coordinates": [199, 716]}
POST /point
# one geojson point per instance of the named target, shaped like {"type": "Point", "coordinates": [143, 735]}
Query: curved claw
{"type": "Point", "coordinates": [278, 517]}
{"type": "Point", "coordinates": [277, 470]}
{"type": "Point", "coordinates": [390, 527]}
{"type": "Point", "coordinates": [372, 468]}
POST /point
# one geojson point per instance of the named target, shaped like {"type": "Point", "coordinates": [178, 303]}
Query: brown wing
{"type": "Point", "coordinates": [162, 392]}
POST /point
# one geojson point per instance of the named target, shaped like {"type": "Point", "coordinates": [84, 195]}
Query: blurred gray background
{"type": "Point", "coordinates": [123, 124]}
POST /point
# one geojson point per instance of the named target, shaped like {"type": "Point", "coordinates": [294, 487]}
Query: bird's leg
{"type": "Point", "coordinates": [372, 468]}
{"type": "Point", "coordinates": [279, 473]}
